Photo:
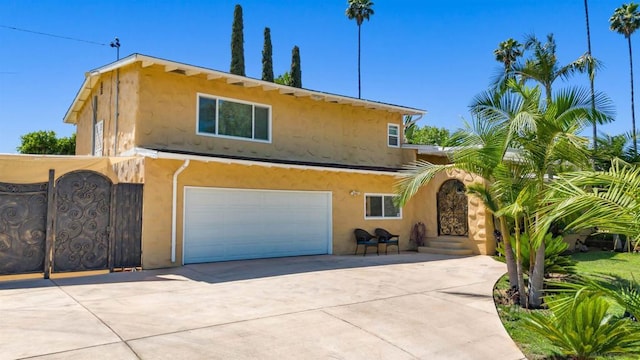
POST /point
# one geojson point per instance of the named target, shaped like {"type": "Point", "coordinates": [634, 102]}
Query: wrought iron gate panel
{"type": "Point", "coordinates": [452, 209]}
{"type": "Point", "coordinates": [82, 213]}
{"type": "Point", "coordinates": [128, 225]}
{"type": "Point", "coordinates": [23, 220]}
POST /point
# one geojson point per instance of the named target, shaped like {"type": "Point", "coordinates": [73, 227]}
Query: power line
{"type": "Point", "coordinates": [53, 35]}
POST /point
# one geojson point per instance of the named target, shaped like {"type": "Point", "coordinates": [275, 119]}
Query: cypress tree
{"type": "Point", "coordinates": [267, 59]}
{"type": "Point", "coordinates": [237, 43]}
{"type": "Point", "coordinates": [296, 72]}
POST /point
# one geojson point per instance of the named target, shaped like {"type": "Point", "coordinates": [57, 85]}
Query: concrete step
{"type": "Point", "coordinates": [443, 251]}
{"type": "Point", "coordinates": [445, 244]}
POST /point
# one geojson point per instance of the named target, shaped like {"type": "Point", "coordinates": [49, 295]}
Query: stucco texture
{"type": "Point", "coordinates": [480, 222]}
{"type": "Point", "coordinates": [347, 212]}
{"type": "Point", "coordinates": [27, 169]}
{"type": "Point", "coordinates": [105, 92]}
{"type": "Point", "coordinates": [303, 129]}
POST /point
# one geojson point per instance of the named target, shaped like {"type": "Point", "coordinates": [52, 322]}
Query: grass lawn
{"type": "Point", "coordinates": [622, 265]}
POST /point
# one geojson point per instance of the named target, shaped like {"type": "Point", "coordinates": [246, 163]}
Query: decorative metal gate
{"type": "Point", "coordinates": [79, 222]}
{"type": "Point", "coordinates": [23, 221]}
{"type": "Point", "coordinates": [82, 214]}
{"type": "Point", "coordinates": [127, 225]}
{"type": "Point", "coordinates": [452, 209]}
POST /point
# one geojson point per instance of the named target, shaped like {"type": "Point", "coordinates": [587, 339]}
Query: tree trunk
{"type": "Point", "coordinates": [633, 115]}
{"type": "Point", "coordinates": [536, 280]}
{"type": "Point", "coordinates": [359, 61]}
{"type": "Point", "coordinates": [522, 298]}
{"type": "Point", "coordinates": [591, 71]}
{"type": "Point", "coordinates": [508, 254]}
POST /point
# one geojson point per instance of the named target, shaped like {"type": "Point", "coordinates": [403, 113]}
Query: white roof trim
{"type": "Point", "coordinates": [511, 154]}
{"type": "Point", "coordinates": [173, 156]}
{"type": "Point", "coordinates": [83, 94]}
{"type": "Point", "coordinates": [428, 149]}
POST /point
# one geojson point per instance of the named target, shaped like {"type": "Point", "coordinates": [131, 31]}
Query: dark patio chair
{"type": "Point", "coordinates": [385, 237]}
{"type": "Point", "coordinates": [364, 238]}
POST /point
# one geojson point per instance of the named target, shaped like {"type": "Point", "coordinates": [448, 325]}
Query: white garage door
{"type": "Point", "coordinates": [233, 224]}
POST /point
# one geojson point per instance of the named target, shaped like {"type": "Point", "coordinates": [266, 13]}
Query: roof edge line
{"type": "Point", "coordinates": [155, 154]}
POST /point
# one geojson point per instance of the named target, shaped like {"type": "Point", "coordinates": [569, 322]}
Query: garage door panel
{"type": "Point", "coordinates": [232, 224]}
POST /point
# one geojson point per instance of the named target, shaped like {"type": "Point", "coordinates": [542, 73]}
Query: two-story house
{"type": "Point", "coordinates": [239, 168]}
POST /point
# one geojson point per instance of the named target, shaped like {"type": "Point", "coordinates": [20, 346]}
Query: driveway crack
{"type": "Point", "coordinates": [98, 318]}
{"type": "Point", "coordinates": [371, 333]}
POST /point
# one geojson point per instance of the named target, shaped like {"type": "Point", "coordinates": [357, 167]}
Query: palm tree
{"type": "Point", "coordinates": [608, 200]}
{"type": "Point", "coordinates": [359, 10]}
{"type": "Point", "coordinates": [541, 137]}
{"type": "Point", "coordinates": [508, 53]}
{"type": "Point", "coordinates": [481, 151]}
{"type": "Point", "coordinates": [591, 72]}
{"type": "Point", "coordinates": [626, 20]}
{"type": "Point", "coordinates": [613, 146]}
{"type": "Point", "coordinates": [543, 66]}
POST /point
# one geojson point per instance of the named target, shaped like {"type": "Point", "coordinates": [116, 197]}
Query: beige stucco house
{"type": "Point", "coordinates": [239, 168]}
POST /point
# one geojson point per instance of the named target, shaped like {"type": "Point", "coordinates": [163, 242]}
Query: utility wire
{"type": "Point", "coordinates": [53, 35]}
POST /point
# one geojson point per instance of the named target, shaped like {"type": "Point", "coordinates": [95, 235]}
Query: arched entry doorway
{"type": "Point", "coordinates": [452, 209]}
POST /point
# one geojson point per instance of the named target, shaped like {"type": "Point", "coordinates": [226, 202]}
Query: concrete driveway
{"type": "Point", "coordinates": [407, 306]}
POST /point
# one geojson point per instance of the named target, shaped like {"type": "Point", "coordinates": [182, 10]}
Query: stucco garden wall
{"type": "Point", "coordinates": [28, 169]}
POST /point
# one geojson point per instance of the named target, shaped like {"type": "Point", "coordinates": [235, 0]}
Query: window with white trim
{"type": "Point", "coordinates": [233, 118]}
{"type": "Point", "coordinates": [393, 135]}
{"type": "Point", "coordinates": [381, 206]}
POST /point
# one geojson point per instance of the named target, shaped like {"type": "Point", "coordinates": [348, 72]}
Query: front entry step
{"type": "Point", "coordinates": [446, 245]}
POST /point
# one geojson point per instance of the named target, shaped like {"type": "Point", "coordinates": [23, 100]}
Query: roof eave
{"type": "Point", "coordinates": [190, 70]}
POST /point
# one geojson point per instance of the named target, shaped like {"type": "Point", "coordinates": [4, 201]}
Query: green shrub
{"type": "Point", "coordinates": [588, 330]}
{"type": "Point", "coordinates": [554, 261]}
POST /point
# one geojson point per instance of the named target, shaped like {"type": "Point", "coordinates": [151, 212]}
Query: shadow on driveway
{"type": "Point", "coordinates": [220, 272]}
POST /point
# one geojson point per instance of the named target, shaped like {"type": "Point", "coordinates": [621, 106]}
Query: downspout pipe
{"type": "Point", "coordinates": [174, 208]}
{"type": "Point", "coordinates": [115, 126]}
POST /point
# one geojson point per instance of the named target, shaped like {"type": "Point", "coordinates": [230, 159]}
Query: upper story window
{"type": "Point", "coordinates": [381, 207]}
{"type": "Point", "coordinates": [233, 118]}
{"type": "Point", "coordinates": [393, 135]}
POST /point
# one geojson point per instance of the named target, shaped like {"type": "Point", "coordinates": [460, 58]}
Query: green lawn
{"type": "Point", "coordinates": [622, 265]}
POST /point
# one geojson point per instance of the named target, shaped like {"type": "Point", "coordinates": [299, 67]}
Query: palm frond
{"type": "Point", "coordinates": [416, 175]}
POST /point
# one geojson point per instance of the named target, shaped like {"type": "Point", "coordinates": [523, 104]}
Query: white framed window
{"type": "Point", "coordinates": [393, 135]}
{"type": "Point", "coordinates": [223, 117]}
{"type": "Point", "coordinates": [381, 206]}
{"type": "Point", "coordinates": [98, 134]}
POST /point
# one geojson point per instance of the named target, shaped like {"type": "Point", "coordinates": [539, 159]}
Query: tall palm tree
{"type": "Point", "coordinates": [591, 73]}
{"type": "Point", "coordinates": [626, 20]}
{"type": "Point", "coordinates": [508, 53]}
{"type": "Point", "coordinates": [359, 10]}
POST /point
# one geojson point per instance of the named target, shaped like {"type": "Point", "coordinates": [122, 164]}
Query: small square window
{"type": "Point", "coordinates": [393, 135]}
{"type": "Point", "coordinates": [381, 206]}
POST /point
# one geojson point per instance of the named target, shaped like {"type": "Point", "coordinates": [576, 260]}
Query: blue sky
{"type": "Point", "coordinates": [429, 54]}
